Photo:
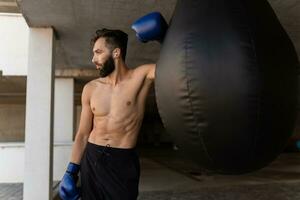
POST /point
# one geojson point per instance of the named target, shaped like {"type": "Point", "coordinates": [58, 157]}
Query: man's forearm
{"type": "Point", "coordinates": [78, 148]}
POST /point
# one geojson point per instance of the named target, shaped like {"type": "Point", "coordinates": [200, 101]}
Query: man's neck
{"type": "Point", "coordinates": [119, 74]}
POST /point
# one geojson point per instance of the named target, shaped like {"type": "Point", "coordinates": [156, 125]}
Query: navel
{"type": "Point", "coordinates": [128, 103]}
{"type": "Point", "coordinates": [93, 108]}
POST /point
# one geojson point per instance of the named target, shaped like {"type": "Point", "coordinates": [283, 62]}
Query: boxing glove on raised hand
{"type": "Point", "coordinates": [67, 187]}
{"type": "Point", "coordinates": [150, 27]}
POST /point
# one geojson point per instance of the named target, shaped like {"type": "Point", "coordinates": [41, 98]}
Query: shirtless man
{"type": "Point", "coordinates": [113, 107]}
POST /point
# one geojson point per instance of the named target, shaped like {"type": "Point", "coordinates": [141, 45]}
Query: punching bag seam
{"type": "Point", "coordinates": [186, 43]}
{"type": "Point", "coordinates": [252, 27]}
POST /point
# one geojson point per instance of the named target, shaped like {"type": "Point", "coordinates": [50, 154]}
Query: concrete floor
{"type": "Point", "coordinates": [166, 177]}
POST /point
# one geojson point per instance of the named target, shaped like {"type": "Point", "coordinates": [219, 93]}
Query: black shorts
{"type": "Point", "coordinates": [109, 173]}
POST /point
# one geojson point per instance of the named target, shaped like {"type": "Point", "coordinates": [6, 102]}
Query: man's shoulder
{"type": "Point", "coordinates": [147, 70]}
{"type": "Point", "coordinates": [89, 87]}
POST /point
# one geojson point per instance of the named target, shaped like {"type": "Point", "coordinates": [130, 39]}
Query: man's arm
{"type": "Point", "coordinates": [85, 126]}
{"type": "Point", "coordinates": [150, 71]}
{"type": "Point", "coordinates": [68, 186]}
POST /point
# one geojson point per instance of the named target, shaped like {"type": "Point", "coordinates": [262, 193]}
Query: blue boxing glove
{"type": "Point", "coordinates": [67, 187]}
{"type": "Point", "coordinates": [150, 27]}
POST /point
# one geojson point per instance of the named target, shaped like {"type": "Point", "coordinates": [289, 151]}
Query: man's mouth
{"type": "Point", "coordinates": [98, 66]}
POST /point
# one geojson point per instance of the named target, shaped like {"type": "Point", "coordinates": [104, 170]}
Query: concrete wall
{"type": "Point", "coordinates": [12, 122]}
{"type": "Point", "coordinates": [12, 161]}
{"type": "Point", "coordinates": [14, 34]}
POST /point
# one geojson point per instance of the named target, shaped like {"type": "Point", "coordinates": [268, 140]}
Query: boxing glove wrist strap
{"type": "Point", "coordinates": [73, 168]}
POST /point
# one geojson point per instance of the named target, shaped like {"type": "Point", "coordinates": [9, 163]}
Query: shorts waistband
{"type": "Point", "coordinates": [109, 149]}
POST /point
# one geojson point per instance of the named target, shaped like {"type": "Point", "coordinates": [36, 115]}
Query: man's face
{"type": "Point", "coordinates": [103, 58]}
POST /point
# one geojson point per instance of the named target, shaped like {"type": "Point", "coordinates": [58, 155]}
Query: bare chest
{"type": "Point", "coordinates": [118, 101]}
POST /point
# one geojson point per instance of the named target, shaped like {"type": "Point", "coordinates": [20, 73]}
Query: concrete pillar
{"type": "Point", "coordinates": [63, 125]}
{"type": "Point", "coordinates": [39, 115]}
{"type": "Point", "coordinates": [64, 110]}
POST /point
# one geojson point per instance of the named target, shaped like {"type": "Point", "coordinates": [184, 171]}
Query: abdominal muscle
{"type": "Point", "coordinates": [119, 133]}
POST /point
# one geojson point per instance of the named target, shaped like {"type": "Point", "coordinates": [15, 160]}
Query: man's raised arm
{"type": "Point", "coordinates": [151, 71]}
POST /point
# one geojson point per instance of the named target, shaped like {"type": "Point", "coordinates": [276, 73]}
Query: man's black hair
{"type": "Point", "coordinates": [114, 39]}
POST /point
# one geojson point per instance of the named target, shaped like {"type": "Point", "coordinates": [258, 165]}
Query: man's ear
{"type": "Point", "coordinates": [116, 53]}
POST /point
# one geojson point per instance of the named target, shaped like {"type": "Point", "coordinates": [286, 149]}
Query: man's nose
{"type": "Point", "coordinates": [93, 60]}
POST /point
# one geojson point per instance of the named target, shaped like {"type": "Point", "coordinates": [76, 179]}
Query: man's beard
{"type": "Point", "coordinates": [108, 67]}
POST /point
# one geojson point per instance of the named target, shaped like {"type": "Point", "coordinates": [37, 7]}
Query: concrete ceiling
{"type": "Point", "coordinates": [76, 21]}
{"type": "Point", "coordinates": [9, 6]}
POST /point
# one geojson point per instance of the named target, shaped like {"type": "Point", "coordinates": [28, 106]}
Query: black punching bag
{"type": "Point", "coordinates": [226, 83]}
